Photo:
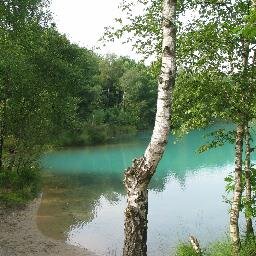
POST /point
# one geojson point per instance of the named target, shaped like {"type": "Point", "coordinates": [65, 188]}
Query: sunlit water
{"type": "Point", "coordinates": [84, 200]}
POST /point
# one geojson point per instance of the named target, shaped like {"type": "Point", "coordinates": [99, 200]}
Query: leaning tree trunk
{"type": "Point", "coordinates": [248, 186]}
{"type": "Point", "coordinates": [139, 175]}
{"type": "Point", "coordinates": [235, 206]}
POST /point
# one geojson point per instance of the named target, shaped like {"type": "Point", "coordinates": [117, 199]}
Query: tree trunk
{"type": "Point", "coordinates": [139, 175]}
{"type": "Point", "coordinates": [2, 129]}
{"type": "Point", "coordinates": [235, 206]}
{"type": "Point", "coordinates": [2, 135]}
{"type": "Point", "coordinates": [248, 186]}
{"type": "Point", "coordinates": [1, 149]}
{"type": "Point", "coordinates": [136, 183]}
{"type": "Point", "coordinates": [248, 192]}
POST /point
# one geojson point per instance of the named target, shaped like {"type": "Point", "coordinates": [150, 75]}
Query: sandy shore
{"type": "Point", "coordinates": [19, 235]}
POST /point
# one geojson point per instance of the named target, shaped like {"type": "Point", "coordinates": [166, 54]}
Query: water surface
{"type": "Point", "coordinates": [84, 199]}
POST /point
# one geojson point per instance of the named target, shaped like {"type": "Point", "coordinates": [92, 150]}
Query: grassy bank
{"type": "Point", "coordinates": [221, 248]}
{"type": "Point", "coordinates": [17, 188]}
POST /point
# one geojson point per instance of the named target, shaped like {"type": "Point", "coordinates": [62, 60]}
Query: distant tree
{"type": "Point", "coordinates": [46, 85]}
{"type": "Point", "coordinates": [139, 96]}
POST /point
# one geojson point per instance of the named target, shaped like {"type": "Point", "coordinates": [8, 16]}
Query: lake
{"type": "Point", "coordinates": [84, 199]}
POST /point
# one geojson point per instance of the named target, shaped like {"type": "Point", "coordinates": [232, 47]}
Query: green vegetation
{"type": "Point", "coordinates": [223, 248]}
{"type": "Point", "coordinates": [57, 93]}
{"type": "Point", "coordinates": [216, 60]}
{"type": "Point", "coordinates": [185, 250]}
{"type": "Point", "coordinates": [53, 92]}
{"type": "Point", "coordinates": [19, 188]}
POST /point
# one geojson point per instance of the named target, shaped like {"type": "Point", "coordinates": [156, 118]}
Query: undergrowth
{"type": "Point", "coordinates": [17, 188]}
{"type": "Point", "coordinates": [220, 248]}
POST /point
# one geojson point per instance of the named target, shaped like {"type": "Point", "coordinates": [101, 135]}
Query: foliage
{"type": "Point", "coordinates": [216, 66]}
{"type": "Point", "coordinates": [185, 250]}
{"type": "Point", "coordinates": [55, 92]}
{"type": "Point", "coordinates": [128, 92]}
{"type": "Point", "coordinates": [18, 188]}
{"type": "Point", "coordinates": [210, 52]}
{"type": "Point", "coordinates": [248, 207]}
{"type": "Point", "coordinates": [221, 248]}
{"type": "Point", "coordinates": [217, 139]}
{"type": "Point", "coordinates": [95, 134]}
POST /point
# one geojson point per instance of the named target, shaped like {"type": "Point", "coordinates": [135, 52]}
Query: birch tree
{"type": "Point", "coordinates": [138, 176]}
{"type": "Point", "coordinates": [216, 47]}
{"type": "Point", "coordinates": [248, 183]}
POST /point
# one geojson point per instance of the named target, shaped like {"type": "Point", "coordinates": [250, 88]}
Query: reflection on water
{"type": "Point", "coordinates": [84, 199]}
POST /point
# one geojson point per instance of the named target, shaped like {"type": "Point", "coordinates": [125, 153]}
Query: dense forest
{"type": "Point", "coordinates": [54, 93]}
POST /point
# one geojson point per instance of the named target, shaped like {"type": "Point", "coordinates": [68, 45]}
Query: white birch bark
{"type": "Point", "coordinates": [160, 134]}
{"type": "Point", "coordinates": [195, 244]}
{"type": "Point", "coordinates": [138, 176]}
{"type": "Point", "coordinates": [236, 201]}
{"type": "Point", "coordinates": [248, 186]}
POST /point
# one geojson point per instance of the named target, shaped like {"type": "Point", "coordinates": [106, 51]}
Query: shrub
{"type": "Point", "coordinates": [220, 248]}
{"type": "Point", "coordinates": [19, 187]}
{"type": "Point", "coordinates": [185, 250]}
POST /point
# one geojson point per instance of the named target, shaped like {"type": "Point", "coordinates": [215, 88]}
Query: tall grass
{"type": "Point", "coordinates": [220, 248]}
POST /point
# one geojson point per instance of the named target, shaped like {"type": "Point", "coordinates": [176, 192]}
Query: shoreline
{"type": "Point", "coordinates": [20, 236]}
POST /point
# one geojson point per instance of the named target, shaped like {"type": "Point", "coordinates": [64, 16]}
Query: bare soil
{"type": "Point", "coordinates": [19, 235]}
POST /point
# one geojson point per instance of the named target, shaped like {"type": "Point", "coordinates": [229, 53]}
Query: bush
{"type": "Point", "coordinates": [248, 247]}
{"type": "Point", "coordinates": [219, 249]}
{"type": "Point", "coordinates": [222, 248]}
{"type": "Point", "coordinates": [93, 134]}
{"type": "Point", "coordinates": [185, 250]}
{"type": "Point", "coordinates": [19, 187]}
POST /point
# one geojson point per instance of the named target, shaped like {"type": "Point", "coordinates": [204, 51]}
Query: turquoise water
{"type": "Point", "coordinates": [84, 199]}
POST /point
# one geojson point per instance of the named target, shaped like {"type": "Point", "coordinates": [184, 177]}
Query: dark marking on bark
{"type": "Point", "coordinates": [168, 51]}
{"type": "Point", "coordinates": [160, 80]}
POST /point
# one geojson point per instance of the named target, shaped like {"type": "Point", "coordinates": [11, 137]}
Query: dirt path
{"type": "Point", "coordinates": [19, 236]}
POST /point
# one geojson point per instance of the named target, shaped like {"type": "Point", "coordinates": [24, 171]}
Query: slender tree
{"type": "Point", "coordinates": [236, 201]}
{"type": "Point", "coordinates": [139, 175]}
{"type": "Point", "coordinates": [248, 183]}
{"type": "Point", "coordinates": [217, 47]}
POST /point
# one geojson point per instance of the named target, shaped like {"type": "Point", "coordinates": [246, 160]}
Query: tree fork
{"type": "Point", "coordinates": [139, 175]}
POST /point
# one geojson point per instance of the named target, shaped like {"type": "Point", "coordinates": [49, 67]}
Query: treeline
{"type": "Point", "coordinates": [121, 98]}
{"type": "Point", "coordinates": [53, 92]}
